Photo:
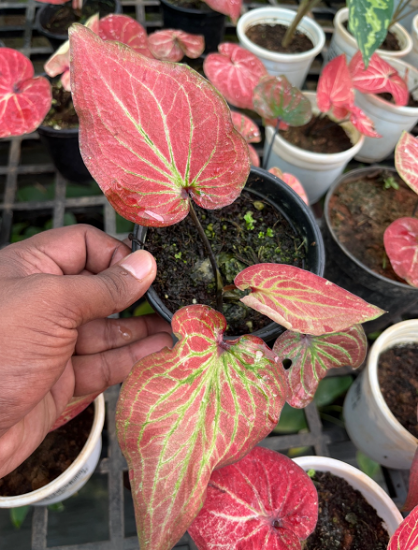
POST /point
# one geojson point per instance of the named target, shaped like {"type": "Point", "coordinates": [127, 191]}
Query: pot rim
{"type": "Point", "coordinates": [68, 474]}
{"type": "Point", "coordinates": [209, 11]}
{"type": "Point", "coordinates": [334, 186]}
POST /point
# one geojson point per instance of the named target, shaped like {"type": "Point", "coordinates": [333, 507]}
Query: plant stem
{"type": "Point", "coordinates": [398, 13]}
{"type": "Point", "coordinates": [304, 7]}
{"type": "Point", "coordinates": [266, 160]}
{"type": "Point", "coordinates": [216, 272]}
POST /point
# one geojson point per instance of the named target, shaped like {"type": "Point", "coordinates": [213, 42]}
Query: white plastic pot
{"type": "Point", "coordinates": [75, 476]}
{"type": "Point", "coordinates": [372, 492]}
{"type": "Point", "coordinates": [389, 119]}
{"type": "Point", "coordinates": [344, 42]}
{"type": "Point", "coordinates": [315, 171]}
{"type": "Point", "coordinates": [412, 57]}
{"type": "Point", "coordinates": [294, 66]}
{"type": "Point", "coordinates": [369, 421]}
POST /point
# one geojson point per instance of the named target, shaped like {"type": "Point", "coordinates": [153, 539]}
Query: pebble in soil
{"type": "Point", "coordinates": [248, 232]}
{"type": "Point", "coordinates": [346, 521]}
{"type": "Point", "coordinates": [270, 37]}
{"type": "Point", "coordinates": [62, 114]}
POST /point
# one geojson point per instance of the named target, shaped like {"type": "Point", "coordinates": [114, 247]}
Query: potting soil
{"type": "Point", "coordinates": [190, 4]}
{"type": "Point", "coordinates": [62, 114]}
{"type": "Point", "coordinates": [270, 37]}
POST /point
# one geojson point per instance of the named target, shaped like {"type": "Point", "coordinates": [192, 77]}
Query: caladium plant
{"type": "Point", "coordinates": [173, 45]}
{"type": "Point", "coordinates": [406, 535]}
{"type": "Point", "coordinates": [250, 132]}
{"type": "Point", "coordinates": [291, 181]}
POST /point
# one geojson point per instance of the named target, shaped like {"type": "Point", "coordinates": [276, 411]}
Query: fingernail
{"type": "Point", "coordinates": [139, 264]}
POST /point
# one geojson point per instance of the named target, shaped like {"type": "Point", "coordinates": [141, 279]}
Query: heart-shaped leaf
{"type": "Point", "coordinates": [254, 158]}
{"type": "Point", "coordinates": [312, 356]}
{"type": "Point", "coordinates": [264, 501]}
{"type": "Point", "coordinates": [275, 97]}
{"type": "Point", "coordinates": [412, 497]}
{"type": "Point", "coordinates": [406, 535]}
{"type": "Point", "coordinates": [186, 411]}
{"type": "Point", "coordinates": [406, 160]}
{"type": "Point", "coordinates": [302, 301]}
{"type": "Point", "coordinates": [232, 8]}
{"type": "Point", "coordinates": [292, 182]}
{"type": "Point", "coordinates": [122, 28]}
{"type": "Point", "coordinates": [401, 245]}
{"type": "Point", "coordinates": [235, 72]}
{"type": "Point", "coordinates": [335, 90]}
{"type": "Point", "coordinates": [362, 122]}
{"type": "Point", "coordinates": [379, 77]}
{"type": "Point", "coordinates": [24, 100]}
{"type": "Point", "coordinates": [73, 408]}
{"type": "Point", "coordinates": [153, 135]}
{"type": "Point", "coordinates": [246, 127]}
{"type": "Point", "coordinates": [172, 45]}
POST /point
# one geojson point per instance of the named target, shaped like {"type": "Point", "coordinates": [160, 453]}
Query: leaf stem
{"type": "Point", "coordinates": [266, 159]}
{"type": "Point", "coordinates": [304, 7]}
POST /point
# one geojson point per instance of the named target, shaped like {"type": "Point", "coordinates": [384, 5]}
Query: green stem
{"type": "Point", "coordinates": [304, 7]}
{"type": "Point", "coordinates": [397, 14]}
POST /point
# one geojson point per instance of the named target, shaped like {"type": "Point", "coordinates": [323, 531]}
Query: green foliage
{"type": "Point", "coordinates": [144, 308]}
{"type": "Point", "coordinates": [122, 225]}
{"type": "Point", "coordinates": [57, 507]}
{"type": "Point", "coordinates": [311, 473]}
{"type": "Point", "coordinates": [329, 389]}
{"type": "Point", "coordinates": [390, 182]}
{"type": "Point", "coordinates": [367, 465]}
{"type": "Point", "coordinates": [18, 515]}
{"type": "Point", "coordinates": [24, 230]}
{"type": "Point", "coordinates": [249, 220]}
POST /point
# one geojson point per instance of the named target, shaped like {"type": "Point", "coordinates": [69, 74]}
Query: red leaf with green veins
{"type": "Point", "coordinates": [291, 181]}
{"type": "Point", "coordinates": [73, 408]}
{"type": "Point", "coordinates": [264, 501]}
{"type": "Point", "coordinates": [302, 301]}
{"type": "Point", "coordinates": [172, 45]}
{"type": "Point", "coordinates": [153, 135]}
{"type": "Point", "coordinates": [275, 97]}
{"type": "Point", "coordinates": [406, 160]}
{"type": "Point", "coordinates": [122, 28]}
{"type": "Point", "coordinates": [335, 89]}
{"type": "Point", "coordinates": [362, 122]}
{"type": "Point", "coordinates": [235, 72]}
{"type": "Point", "coordinates": [24, 100]}
{"type": "Point", "coordinates": [401, 245]}
{"type": "Point", "coordinates": [313, 356]}
{"type": "Point", "coordinates": [406, 535]}
{"type": "Point", "coordinates": [246, 127]}
{"type": "Point", "coordinates": [412, 497]}
{"type": "Point", "coordinates": [254, 158]}
{"type": "Point", "coordinates": [232, 8]}
{"type": "Point", "coordinates": [186, 411]}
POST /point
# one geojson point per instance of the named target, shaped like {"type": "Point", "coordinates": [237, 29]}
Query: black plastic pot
{"type": "Point", "coordinates": [290, 205]}
{"type": "Point", "coordinates": [208, 22]}
{"type": "Point", "coordinates": [45, 13]}
{"type": "Point", "coordinates": [345, 270]}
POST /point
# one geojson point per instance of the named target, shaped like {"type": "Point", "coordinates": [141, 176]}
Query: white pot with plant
{"type": "Point", "coordinates": [412, 57]}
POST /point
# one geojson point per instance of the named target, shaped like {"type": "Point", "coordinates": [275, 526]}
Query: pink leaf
{"type": "Point", "coordinates": [65, 80]}
{"type": "Point", "coordinates": [273, 122]}
{"type": "Point", "coordinates": [335, 89]}
{"type": "Point", "coordinates": [264, 501]}
{"type": "Point", "coordinates": [406, 535]}
{"type": "Point", "coordinates": [362, 122]}
{"type": "Point", "coordinates": [254, 158]}
{"type": "Point", "coordinates": [412, 497]}
{"type": "Point", "coordinates": [246, 127]}
{"type": "Point", "coordinates": [74, 408]}
{"type": "Point", "coordinates": [122, 28]}
{"type": "Point", "coordinates": [186, 411]}
{"type": "Point", "coordinates": [312, 356]}
{"type": "Point", "coordinates": [153, 135]}
{"type": "Point", "coordinates": [59, 62]}
{"type": "Point", "coordinates": [232, 8]}
{"type": "Point", "coordinates": [24, 100]}
{"type": "Point", "coordinates": [302, 301]}
{"type": "Point", "coordinates": [406, 160]}
{"type": "Point", "coordinates": [379, 77]}
{"type": "Point", "coordinates": [401, 245]}
{"type": "Point", "coordinates": [172, 45]}
{"type": "Point", "coordinates": [235, 72]}
{"type": "Point", "coordinates": [292, 182]}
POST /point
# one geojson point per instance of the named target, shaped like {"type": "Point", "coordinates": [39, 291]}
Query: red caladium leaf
{"type": "Point", "coordinates": [153, 135]}
{"type": "Point", "coordinates": [122, 28]}
{"type": "Point", "coordinates": [406, 535]}
{"type": "Point", "coordinates": [401, 245]}
{"type": "Point", "coordinates": [74, 408]}
{"type": "Point", "coordinates": [275, 97]}
{"type": "Point", "coordinates": [24, 100]}
{"type": "Point", "coordinates": [263, 501]}
{"type": "Point", "coordinates": [235, 72]}
{"type": "Point", "coordinates": [186, 411]}
{"type": "Point", "coordinates": [302, 301]}
{"type": "Point", "coordinates": [254, 158]}
{"type": "Point", "coordinates": [76, 4]}
{"type": "Point", "coordinates": [313, 356]}
{"type": "Point", "coordinates": [377, 78]}
{"type": "Point", "coordinates": [362, 122]}
{"type": "Point", "coordinates": [173, 45]}
{"type": "Point", "coordinates": [246, 127]}
{"type": "Point", "coordinates": [292, 182]}
{"type": "Point", "coordinates": [406, 160]}
{"type": "Point", "coordinates": [412, 497]}
{"type": "Point", "coordinates": [232, 8]}
{"type": "Point", "coordinates": [335, 91]}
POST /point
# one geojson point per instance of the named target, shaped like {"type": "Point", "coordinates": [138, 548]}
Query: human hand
{"type": "Point", "coordinates": [56, 290]}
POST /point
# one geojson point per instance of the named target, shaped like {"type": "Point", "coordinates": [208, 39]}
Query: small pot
{"type": "Point", "coordinates": [316, 171]}
{"type": "Point", "coordinates": [412, 57]}
{"type": "Point", "coordinates": [344, 42]}
{"type": "Point", "coordinates": [208, 22]}
{"type": "Point", "coordinates": [294, 66]}
{"type": "Point", "coordinates": [290, 205]}
{"type": "Point", "coordinates": [345, 270]}
{"type": "Point", "coordinates": [371, 491]}
{"type": "Point", "coordinates": [75, 476]}
{"type": "Point", "coordinates": [370, 423]}
{"type": "Point", "coordinates": [389, 119]}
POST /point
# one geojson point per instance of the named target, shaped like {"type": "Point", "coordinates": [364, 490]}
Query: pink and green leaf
{"type": "Point", "coordinates": [153, 135]}
{"type": "Point", "coordinates": [406, 535]}
{"type": "Point", "coordinates": [401, 245]}
{"type": "Point", "coordinates": [335, 90]}
{"type": "Point", "coordinates": [312, 356]}
{"type": "Point", "coordinates": [73, 408]}
{"type": "Point", "coordinates": [264, 501]}
{"type": "Point", "coordinates": [186, 411]}
{"type": "Point", "coordinates": [291, 181]}
{"type": "Point", "coordinates": [231, 8]}
{"type": "Point", "coordinates": [412, 497]}
{"type": "Point", "coordinates": [173, 45]}
{"type": "Point", "coordinates": [246, 127]}
{"type": "Point", "coordinates": [362, 122]}
{"type": "Point", "coordinates": [122, 28]}
{"type": "Point", "coordinates": [254, 158]}
{"type": "Point", "coordinates": [302, 301]}
{"type": "Point", "coordinates": [406, 160]}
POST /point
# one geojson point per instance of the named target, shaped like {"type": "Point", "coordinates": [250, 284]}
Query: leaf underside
{"type": "Point", "coordinates": [173, 45]}
{"type": "Point", "coordinates": [406, 160]}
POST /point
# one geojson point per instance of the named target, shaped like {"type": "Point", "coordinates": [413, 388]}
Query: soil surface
{"type": "Point", "coordinates": [346, 520]}
{"type": "Point", "coordinates": [390, 43]}
{"type": "Point", "coordinates": [65, 16]}
{"type": "Point", "coordinates": [320, 135]}
{"type": "Point", "coordinates": [190, 4]}
{"type": "Point", "coordinates": [361, 210]}
{"type": "Point", "coordinates": [62, 114]}
{"type": "Point", "coordinates": [185, 274]}
{"type": "Point", "coordinates": [398, 379]}
{"type": "Point", "coordinates": [412, 102]}
{"type": "Point", "coordinates": [270, 37]}
{"type": "Point", "coordinates": [54, 455]}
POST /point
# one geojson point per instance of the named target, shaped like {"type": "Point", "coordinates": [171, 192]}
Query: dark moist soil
{"type": "Point", "coordinates": [270, 37]}
{"type": "Point", "coordinates": [65, 16]}
{"type": "Point", "coordinates": [185, 275]}
{"type": "Point", "coordinates": [412, 102]}
{"type": "Point", "coordinates": [390, 43]}
{"type": "Point", "coordinates": [398, 380]}
{"type": "Point", "coordinates": [346, 520]}
{"type": "Point", "coordinates": [62, 114]}
{"type": "Point", "coordinates": [320, 135]}
{"type": "Point", "coordinates": [53, 456]}
{"type": "Point", "coordinates": [190, 4]}
{"type": "Point", "coordinates": [360, 211]}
